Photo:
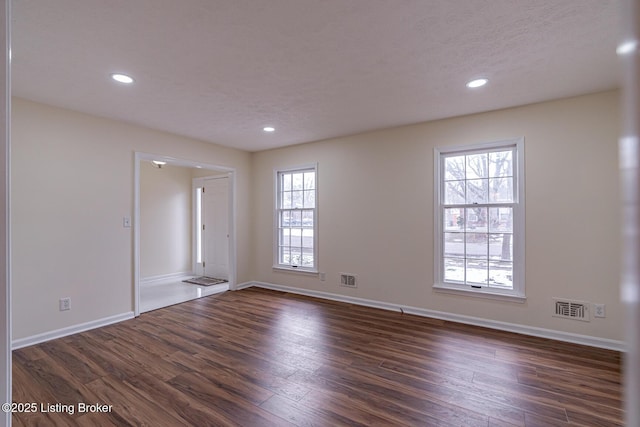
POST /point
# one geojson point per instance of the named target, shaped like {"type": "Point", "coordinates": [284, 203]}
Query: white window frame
{"type": "Point", "coordinates": [276, 221]}
{"type": "Point", "coordinates": [517, 293]}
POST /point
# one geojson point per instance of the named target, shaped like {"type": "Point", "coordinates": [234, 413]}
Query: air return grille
{"type": "Point", "coordinates": [578, 310]}
{"type": "Point", "coordinates": [348, 280]}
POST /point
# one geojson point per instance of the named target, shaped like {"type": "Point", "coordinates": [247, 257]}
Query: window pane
{"type": "Point", "coordinates": [307, 238]}
{"type": "Point", "coordinates": [477, 271]}
{"type": "Point", "coordinates": [501, 246]}
{"type": "Point", "coordinates": [501, 219]}
{"type": "Point", "coordinates": [501, 163]}
{"type": "Point", "coordinates": [307, 258]}
{"type": "Point", "coordinates": [309, 180]}
{"type": "Point", "coordinates": [477, 166]}
{"type": "Point", "coordinates": [477, 245]}
{"type": "Point", "coordinates": [199, 224]}
{"type": "Point", "coordinates": [296, 199]}
{"type": "Point", "coordinates": [296, 237]}
{"type": "Point", "coordinates": [286, 182]}
{"type": "Point", "coordinates": [501, 274]}
{"type": "Point", "coordinates": [454, 192]}
{"type": "Point", "coordinates": [296, 256]}
{"type": "Point", "coordinates": [476, 219]}
{"type": "Point", "coordinates": [453, 219]}
{"type": "Point", "coordinates": [501, 190]}
{"type": "Point", "coordinates": [307, 218]}
{"type": "Point", "coordinates": [309, 199]}
{"type": "Point", "coordinates": [286, 200]}
{"type": "Point", "coordinates": [285, 256]}
{"type": "Point", "coordinates": [297, 180]}
{"type": "Point", "coordinates": [285, 218]}
{"type": "Point", "coordinates": [296, 218]}
{"type": "Point", "coordinates": [454, 168]}
{"type": "Point", "coordinates": [284, 237]}
{"type": "Point", "coordinates": [454, 245]}
{"type": "Point", "coordinates": [477, 191]}
{"type": "Point", "coordinates": [454, 270]}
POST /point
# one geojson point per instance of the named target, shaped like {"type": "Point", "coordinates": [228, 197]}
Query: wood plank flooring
{"type": "Point", "coordinates": [263, 358]}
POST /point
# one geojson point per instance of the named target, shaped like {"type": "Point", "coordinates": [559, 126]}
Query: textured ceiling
{"type": "Point", "coordinates": [220, 70]}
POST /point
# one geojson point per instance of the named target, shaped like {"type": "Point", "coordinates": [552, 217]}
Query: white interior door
{"type": "Point", "coordinates": [215, 228]}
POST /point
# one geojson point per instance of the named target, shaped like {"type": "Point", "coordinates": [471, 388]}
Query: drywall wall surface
{"type": "Point", "coordinates": [375, 212]}
{"type": "Point", "coordinates": [72, 183]}
{"type": "Point", "coordinates": [165, 220]}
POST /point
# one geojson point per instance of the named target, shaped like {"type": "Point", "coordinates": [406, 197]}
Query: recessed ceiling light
{"type": "Point", "coordinates": [268, 128]}
{"type": "Point", "coordinates": [122, 78]}
{"type": "Point", "coordinates": [477, 83]}
{"type": "Point", "coordinates": [627, 47]}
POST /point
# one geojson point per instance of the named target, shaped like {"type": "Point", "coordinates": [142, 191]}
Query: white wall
{"type": "Point", "coordinates": [72, 183]}
{"type": "Point", "coordinates": [165, 220]}
{"type": "Point", "coordinates": [376, 211]}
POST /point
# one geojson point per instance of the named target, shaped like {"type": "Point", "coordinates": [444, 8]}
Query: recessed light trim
{"type": "Point", "coordinates": [122, 78]}
{"type": "Point", "coordinates": [477, 83]}
{"type": "Point", "coordinates": [268, 129]}
{"type": "Point", "coordinates": [627, 47]}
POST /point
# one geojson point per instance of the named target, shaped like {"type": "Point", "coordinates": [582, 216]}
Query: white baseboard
{"type": "Point", "coordinates": [155, 280]}
{"type": "Point", "coordinates": [493, 324]}
{"type": "Point", "coordinates": [244, 285]}
{"type": "Point", "coordinates": [70, 330]}
{"type": "Point", "coordinates": [476, 321]}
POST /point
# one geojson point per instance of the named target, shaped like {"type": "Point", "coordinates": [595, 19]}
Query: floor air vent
{"type": "Point", "coordinates": [348, 280]}
{"type": "Point", "coordinates": [577, 310]}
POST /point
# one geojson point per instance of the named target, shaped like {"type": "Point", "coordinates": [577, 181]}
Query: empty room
{"type": "Point", "coordinates": [305, 212]}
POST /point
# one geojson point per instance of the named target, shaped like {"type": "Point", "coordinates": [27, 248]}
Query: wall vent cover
{"type": "Point", "coordinates": [348, 280]}
{"type": "Point", "coordinates": [577, 310]}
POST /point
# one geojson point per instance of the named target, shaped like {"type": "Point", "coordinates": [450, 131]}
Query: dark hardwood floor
{"type": "Point", "coordinates": [258, 358]}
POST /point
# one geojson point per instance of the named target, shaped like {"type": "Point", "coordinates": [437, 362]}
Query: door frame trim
{"type": "Point", "coordinates": [140, 157]}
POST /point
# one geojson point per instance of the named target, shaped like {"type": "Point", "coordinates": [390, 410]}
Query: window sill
{"type": "Point", "coordinates": [295, 270]}
{"type": "Point", "coordinates": [487, 294]}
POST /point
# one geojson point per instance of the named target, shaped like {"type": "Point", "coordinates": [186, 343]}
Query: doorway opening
{"type": "Point", "coordinates": [180, 235]}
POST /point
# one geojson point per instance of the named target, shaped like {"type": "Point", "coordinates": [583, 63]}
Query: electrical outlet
{"type": "Point", "coordinates": [599, 310]}
{"type": "Point", "coordinates": [65, 304]}
{"type": "Point", "coordinates": [323, 277]}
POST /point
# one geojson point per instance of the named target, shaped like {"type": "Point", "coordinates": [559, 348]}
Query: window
{"type": "Point", "coordinates": [198, 229]}
{"type": "Point", "coordinates": [296, 219]}
{"type": "Point", "coordinates": [479, 219]}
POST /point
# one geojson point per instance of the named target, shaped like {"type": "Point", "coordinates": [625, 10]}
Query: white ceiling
{"type": "Point", "coordinates": [220, 70]}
